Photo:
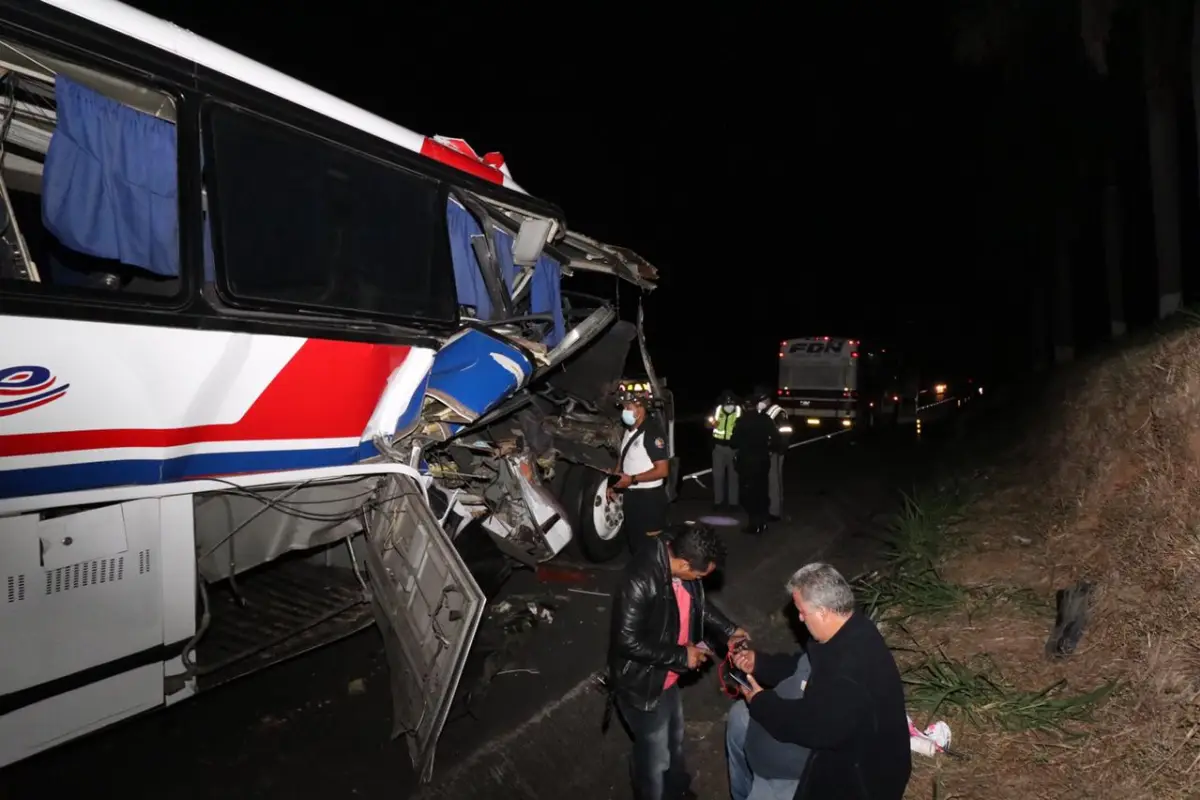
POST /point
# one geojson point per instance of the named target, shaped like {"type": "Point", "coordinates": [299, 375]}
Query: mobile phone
{"type": "Point", "coordinates": [740, 679]}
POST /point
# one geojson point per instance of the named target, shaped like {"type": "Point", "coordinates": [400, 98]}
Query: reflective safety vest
{"type": "Point", "coordinates": [780, 418]}
{"type": "Point", "coordinates": [724, 423]}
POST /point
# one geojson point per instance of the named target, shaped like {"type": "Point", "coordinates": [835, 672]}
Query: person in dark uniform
{"type": "Point", "coordinates": [754, 440]}
{"type": "Point", "coordinates": [641, 474]}
{"type": "Point", "coordinates": [783, 426]}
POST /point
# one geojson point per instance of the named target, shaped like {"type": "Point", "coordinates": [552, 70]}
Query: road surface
{"type": "Point", "coordinates": [319, 725]}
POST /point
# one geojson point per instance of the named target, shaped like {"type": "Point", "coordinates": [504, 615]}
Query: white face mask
{"type": "Point", "coordinates": [729, 408]}
{"type": "Point", "coordinates": [763, 405]}
{"type": "Point", "coordinates": [628, 417]}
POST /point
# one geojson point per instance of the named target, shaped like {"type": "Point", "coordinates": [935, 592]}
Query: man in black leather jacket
{"type": "Point", "coordinates": [660, 621]}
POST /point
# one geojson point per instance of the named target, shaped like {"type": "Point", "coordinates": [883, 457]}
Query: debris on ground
{"type": "Point", "coordinates": [1074, 609]}
{"type": "Point", "coordinates": [500, 644]}
{"type": "Point", "coordinates": [929, 742]}
{"type": "Point", "coordinates": [589, 591]}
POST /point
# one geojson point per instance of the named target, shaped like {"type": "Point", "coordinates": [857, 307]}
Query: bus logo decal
{"type": "Point", "coordinates": [813, 348]}
{"type": "Point", "coordinates": [26, 387]}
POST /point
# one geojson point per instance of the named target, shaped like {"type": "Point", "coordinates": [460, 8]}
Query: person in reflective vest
{"type": "Point", "coordinates": [783, 426]}
{"type": "Point", "coordinates": [725, 480]}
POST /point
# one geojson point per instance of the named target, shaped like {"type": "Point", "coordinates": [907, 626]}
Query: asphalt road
{"type": "Point", "coordinates": [319, 725]}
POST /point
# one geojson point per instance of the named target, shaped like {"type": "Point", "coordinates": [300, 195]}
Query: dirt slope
{"type": "Point", "coordinates": [1105, 487]}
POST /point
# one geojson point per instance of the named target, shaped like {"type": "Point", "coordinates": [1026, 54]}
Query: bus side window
{"type": "Point", "coordinates": [301, 222]}
{"type": "Point", "coordinates": [90, 178]}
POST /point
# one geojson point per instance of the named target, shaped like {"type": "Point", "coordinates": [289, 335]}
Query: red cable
{"type": "Point", "coordinates": [727, 662]}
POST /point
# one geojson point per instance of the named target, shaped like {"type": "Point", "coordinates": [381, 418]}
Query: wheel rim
{"type": "Point", "coordinates": [607, 515]}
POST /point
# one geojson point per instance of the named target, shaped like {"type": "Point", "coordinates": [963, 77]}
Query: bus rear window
{"type": "Point", "coordinates": [301, 222]}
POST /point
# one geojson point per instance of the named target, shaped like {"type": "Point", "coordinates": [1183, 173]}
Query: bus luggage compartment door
{"type": "Point", "coordinates": [428, 608]}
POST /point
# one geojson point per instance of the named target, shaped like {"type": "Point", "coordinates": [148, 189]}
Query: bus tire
{"type": "Point", "coordinates": [597, 522]}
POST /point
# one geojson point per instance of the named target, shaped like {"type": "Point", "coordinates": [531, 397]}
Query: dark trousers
{"type": "Point", "coordinates": [645, 512]}
{"type": "Point", "coordinates": [755, 490]}
{"type": "Point", "coordinates": [656, 764]}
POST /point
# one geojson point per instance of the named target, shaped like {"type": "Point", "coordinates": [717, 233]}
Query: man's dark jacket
{"type": "Point", "coordinates": [852, 715]}
{"type": "Point", "coordinates": [754, 439]}
{"type": "Point", "coordinates": [645, 627]}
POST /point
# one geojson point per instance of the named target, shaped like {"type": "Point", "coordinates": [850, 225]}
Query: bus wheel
{"type": "Point", "coordinates": [597, 521]}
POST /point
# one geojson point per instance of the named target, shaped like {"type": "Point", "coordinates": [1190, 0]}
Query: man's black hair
{"type": "Point", "coordinates": [698, 545]}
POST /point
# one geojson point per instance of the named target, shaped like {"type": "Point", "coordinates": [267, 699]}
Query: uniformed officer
{"type": "Point", "coordinates": [725, 480]}
{"type": "Point", "coordinates": [754, 439]}
{"type": "Point", "coordinates": [783, 426]}
{"type": "Point", "coordinates": [641, 473]}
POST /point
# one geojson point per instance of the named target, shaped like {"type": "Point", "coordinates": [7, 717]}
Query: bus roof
{"type": "Point", "coordinates": [820, 339]}
{"type": "Point", "coordinates": [173, 39]}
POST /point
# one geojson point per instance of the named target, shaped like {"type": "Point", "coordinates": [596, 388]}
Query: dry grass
{"type": "Point", "coordinates": [1108, 492]}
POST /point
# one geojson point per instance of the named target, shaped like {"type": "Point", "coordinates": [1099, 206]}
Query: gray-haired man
{"type": "Point", "coordinates": [851, 715]}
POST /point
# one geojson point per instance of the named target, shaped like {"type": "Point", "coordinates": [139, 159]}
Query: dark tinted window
{"type": "Point", "coordinates": [303, 222]}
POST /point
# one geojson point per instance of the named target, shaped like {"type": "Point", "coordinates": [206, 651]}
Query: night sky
{"type": "Point", "coordinates": [833, 171]}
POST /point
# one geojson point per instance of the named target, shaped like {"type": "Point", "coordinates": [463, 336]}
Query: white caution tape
{"type": "Point", "coordinates": [696, 476]}
{"type": "Point", "coordinates": [935, 405]}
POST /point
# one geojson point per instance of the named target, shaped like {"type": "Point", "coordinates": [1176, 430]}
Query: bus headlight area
{"type": "Point", "coordinates": [815, 422]}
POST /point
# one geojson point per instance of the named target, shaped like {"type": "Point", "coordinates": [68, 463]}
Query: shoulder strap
{"type": "Point", "coordinates": [625, 450]}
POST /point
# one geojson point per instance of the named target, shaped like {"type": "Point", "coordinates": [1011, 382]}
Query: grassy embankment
{"type": "Point", "coordinates": [1103, 487]}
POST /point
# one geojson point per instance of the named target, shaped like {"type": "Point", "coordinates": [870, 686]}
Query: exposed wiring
{"type": "Point", "coordinates": [189, 663]}
{"type": "Point", "coordinates": [269, 503]}
{"type": "Point", "coordinates": [367, 594]}
{"type": "Point", "coordinates": [238, 489]}
{"type": "Point", "coordinates": [280, 504]}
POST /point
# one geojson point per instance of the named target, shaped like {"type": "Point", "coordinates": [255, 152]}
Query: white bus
{"type": "Point", "coordinates": [819, 381]}
{"type": "Point", "coordinates": [265, 358]}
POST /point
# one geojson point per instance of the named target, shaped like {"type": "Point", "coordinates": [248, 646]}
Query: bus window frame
{"type": "Point", "coordinates": [224, 294]}
{"type": "Point", "coordinates": [41, 293]}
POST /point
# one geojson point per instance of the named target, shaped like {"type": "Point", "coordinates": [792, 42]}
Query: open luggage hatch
{"type": "Point", "coordinates": [428, 608]}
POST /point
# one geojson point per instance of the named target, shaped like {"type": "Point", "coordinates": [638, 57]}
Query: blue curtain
{"type": "Point", "coordinates": [109, 183]}
{"type": "Point", "coordinates": [504, 244]}
{"type": "Point", "coordinates": [210, 265]}
{"type": "Point", "coordinates": [545, 296]}
{"type": "Point", "coordinates": [471, 289]}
